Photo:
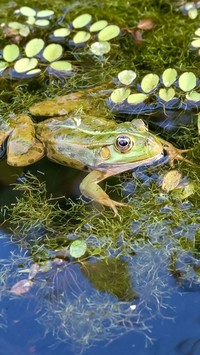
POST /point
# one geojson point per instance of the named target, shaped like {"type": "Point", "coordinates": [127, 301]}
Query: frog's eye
{"type": "Point", "coordinates": [123, 143]}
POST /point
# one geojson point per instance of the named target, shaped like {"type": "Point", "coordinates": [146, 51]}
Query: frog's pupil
{"type": "Point", "coordinates": [123, 143]}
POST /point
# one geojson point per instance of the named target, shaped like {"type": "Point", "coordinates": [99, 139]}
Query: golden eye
{"type": "Point", "coordinates": [123, 143]}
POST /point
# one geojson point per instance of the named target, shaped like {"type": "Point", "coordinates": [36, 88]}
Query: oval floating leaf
{"type": "Point", "coordinates": [52, 52]}
{"type": "Point", "coordinates": [15, 25]}
{"type": "Point", "coordinates": [169, 77]}
{"type": "Point", "coordinates": [42, 23]}
{"type": "Point", "coordinates": [108, 33]}
{"type": "Point", "coordinates": [3, 66]}
{"type": "Point", "coordinates": [34, 72]}
{"type": "Point", "coordinates": [61, 32]}
{"type": "Point", "coordinates": [27, 11]}
{"type": "Point", "coordinates": [81, 37]}
{"type": "Point", "coordinates": [193, 96]}
{"type": "Point", "coordinates": [187, 81]}
{"type": "Point", "coordinates": [31, 20]}
{"type": "Point", "coordinates": [34, 46]}
{"type": "Point", "coordinates": [167, 94]}
{"type": "Point", "coordinates": [126, 77]}
{"type": "Point", "coordinates": [25, 64]}
{"type": "Point", "coordinates": [100, 48]}
{"type": "Point", "coordinates": [24, 31]}
{"type": "Point", "coordinates": [98, 25]}
{"type": "Point", "coordinates": [119, 95]}
{"type": "Point", "coordinates": [137, 98]}
{"type": "Point", "coordinates": [61, 65]}
{"type": "Point", "coordinates": [10, 53]}
{"type": "Point", "coordinates": [193, 13]}
{"type": "Point", "coordinates": [197, 32]}
{"type": "Point", "coordinates": [82, 21]}
{"type": "Point", "coordinates": [171, 180]}
{"type": "Point", "coordinates": [149, 82]}
{"type": "Point", "coordinates": [196, 43]}
{"type": "Point", "coordinates": [45, 13]}
{"type": "Point", "coordinates": [78, 248]}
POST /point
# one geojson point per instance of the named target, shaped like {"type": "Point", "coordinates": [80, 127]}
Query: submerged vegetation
{"type": "Point", "coordinates": [94, 277]}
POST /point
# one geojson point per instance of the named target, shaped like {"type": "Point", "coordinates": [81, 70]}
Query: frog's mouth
{"type": "Point", "coordinates": [116, 168]}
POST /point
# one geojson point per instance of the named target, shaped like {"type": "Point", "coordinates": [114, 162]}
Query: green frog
{"type": "Point", "coordinates": [100, 146]}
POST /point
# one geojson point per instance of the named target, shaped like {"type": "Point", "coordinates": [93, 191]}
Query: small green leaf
{"type": "Point", "coordinates": [31, 20]}
{"type": "Point", "coordinates": [193, 13]}
{"type": "Point", "coordinates": [10, 53]}
{"type": "Point", "coordinates": [3, 66]}
{"type": "Point", "coordinates": [100, 48]}
{"type": "Point", "coordinates": [108, 33]}
{"type": "Point", "coordinates": [137, 98]}
{"type": "Point", "coordinates": [82, 21]}
{"type": "Point", "coordinates": [171, 180]}
{"type": "Point", "coordinates": [27, 11]}
{"type": "Point", "coordinates": [45, 13]}
{"type": "Point", "coordinates": [193, 96]}
{"type": "Point", "coordinates": [197, 32]}
{"type": "Point", "coordinates": [126, 77]}
{"type": "Point", "coordinates": [15, 25]}
{"type": "Point", "coordinates": [77, 248]}
{"type": "Point", "coordinates": [81, 37]}
{"type": "Point", "coordinates": [34, 72]}
{"type": "Point", "coordinates": [119, 95]}
{"type": "Point", "coordinates": [42, 23]}
{"type": "Point", "coordinates": [187, 81]}
{"type": "Point", "coordinates": [169, 77]}
{"type": "Point", "coordinates": [34, 46]}
{"type": "Point", "coordinates": [24, 31]}
{"type": "Point", "coordinates": [52, 52]}
{"type": "Point", "coordinates": [25, 64]}
{"type": "Point", "coordinates": [98, 25]}
{"type": "Point", "coordinates": [149, 82]}
{"type": "Point", "coordinates": [167, 94]}
{"type": "Point", "coordinates": [196, 43]}
{"type": "Point", "coordinates": [61, 32]}
{"type": "Point", "coordinates": [61, 65]}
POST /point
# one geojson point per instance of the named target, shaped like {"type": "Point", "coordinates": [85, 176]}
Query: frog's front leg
{"type": "Point", "coordinates": [89, 188]}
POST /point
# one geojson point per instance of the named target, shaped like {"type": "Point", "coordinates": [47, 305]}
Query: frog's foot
{"type": "Point", "coordinates": [176, 154]}
{"type": "Point", "coordinates": [89, 188]}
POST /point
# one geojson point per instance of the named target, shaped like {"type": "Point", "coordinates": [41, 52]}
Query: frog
{"type": "Point", "coordinates": [98, 145]}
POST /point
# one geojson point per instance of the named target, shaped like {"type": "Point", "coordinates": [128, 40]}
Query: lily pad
{"type": "Point", "coordinates": [187, 81]}
{"type": "Point", "coordinates": [108, 33]}
{"type": "Point", "coordinates": [34, 46]}
{"type": "Point", "coordinates": [82, 21]}
{"type": "Point", "coordinates": [193, 96]}
{"type": "Point", "coordinates": [27, 11]}
{"type": "Point", "coordinates": [61, 65]}
{"type": "Point", "coordinates": [126, 77]}
{"type": "Point", "coordinates": [45, 13]}
{"type": "Point", "coordinates": [149, 82]}
{"type": "Point", "coordinates": [167, 94]}
{"type": "Point", "coordinates": [10, 53]}
{"type": "Point", "coordinates": [137, 98]}
{"type": "Point", "coordinates": [98, 25]}
{"type": "Point", "coordinates": [78, 248]}
{"type": "Point", "coordinates": [100, 48]}
{"type": "Point", "coordinates": [25, 64]}
{"type": "Point", "coordinates": [193, 13]}
{"type": "Point", "coordinates": [197, 32]}
{"type": "Point", "coordinates": [81, 37]}
{"type": "Point", "coordinates": [52, 52]}
{"type": "Point", "coordinates": [34, 72]}
{"type": "Point", "coordinates": [61, 32]}
{"type": "Point", "coordinates": [169, 77]}
{"type": "Point", "coordinates": [196, 43]}
{"type": "Point", "coordinates": [3, 66]}
{"type": "Point", "coordinates": [119, 95]}
{"type": "Point", "coordinates": [42, 23]}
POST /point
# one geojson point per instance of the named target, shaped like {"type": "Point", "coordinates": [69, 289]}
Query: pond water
{"type": "Point", "coordinates": [132, 284]}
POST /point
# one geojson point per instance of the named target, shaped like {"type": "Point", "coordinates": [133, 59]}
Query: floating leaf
{"type": "Point", "coordinates": [108, 33]}
{"type": "Point", "coordinates": [197, 32]}
{"type": "Point", "coordinates": [24, 31]}
{"type": "Point", "coordinates": [42, 23]}
{"type": "Point", "coordinates": [196, 43]}
{"type": "Point", "coordinates": [149, 82]}
{"type": "Point", "coordinates": [27, 11]}
{"type": "Point", "coordinates": [98, 25]}
{"type": "Point", "coordinates": [82, 21]}
{"type": "Point", "coordinates": [193, 96]}
{"type": "Point", "coordinates": [25, 64]}
{"type": "Point", "coordinates": [167, 94]}
{"type": "Point", "coordinates": [31, 20]}
{"type": "Point", "coordinates": [52, 52]}
{"type": "Point", "coordinates": [45, 13]}
{"type": "Point", "coordinates": [34, 72]}
{"type": "Point", "coordinates": [21, 287]}
{"type": "Point", "coordinates": [193, 13]}
{"type": "Point", "coordinates": [61, 65]}
{"type": "Point", "coordinates": [61, 32]}
{"type": "Point", "coordinates": [10, 52]}
{"type": "Point", "coordinates": [100, 48]}
{"type": "Point", "coordinates": [119, 95]}
{"type": "Point", "coordinates": [34, 46]}
{"type": "Point", "coordinates": [187, 81]}
{"type": "Point", "coordinates": [198, 123]}
{"type": "Point", "coordinates": [137, 98]}
{"type": "Point", "coordinates": [15, 25]}
{"type": "Point", "coordinates": [169, 77]}
{"type": "Point", "coordinates": [78, 248]}
{"type": "Point", "coordinates": [81, 37]}
{"type": "Point", "coordinates": [171, 180]}
{"type": "Point", "coordinates": [126, 77]}
{"type": "Point", "coordinates": [3, 66]}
